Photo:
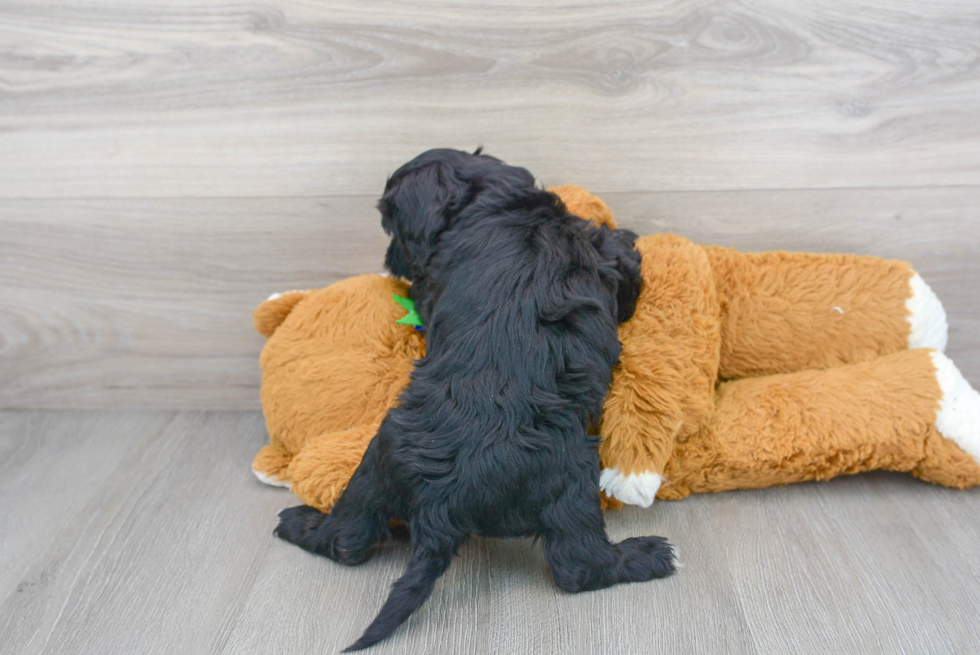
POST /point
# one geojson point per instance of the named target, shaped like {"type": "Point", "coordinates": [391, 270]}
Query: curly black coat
{"type": "Point", "coordinates": [494, 433]}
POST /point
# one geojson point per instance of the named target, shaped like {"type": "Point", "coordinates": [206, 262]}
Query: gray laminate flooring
{"type": "Point", "coordinates": [145, 532]}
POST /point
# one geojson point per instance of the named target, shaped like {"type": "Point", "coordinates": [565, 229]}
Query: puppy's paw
{"type": "Point", "coordinates": [646, 558]}
{"type": "Point", "coordinates": [298, 525]}
{"type": "Point", "coordinates": [346, 542]}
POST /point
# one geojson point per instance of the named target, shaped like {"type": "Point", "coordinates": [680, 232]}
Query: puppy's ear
{"type": "Point", "coordinates": [621, 264]}
{"type": "Point", "coordinates": [416, 207]}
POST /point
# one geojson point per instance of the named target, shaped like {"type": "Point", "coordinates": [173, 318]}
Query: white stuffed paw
{"type": "Point", "coordinates": [280, 295]}
{"type": "Point", "coordinates": [958, 418]}
{"type": "Point", "coordinates": [633, 489]}
{"type": "Point", "coordinates": [269, 480]}
{"type": "Point", "coordinates": [926, 317]}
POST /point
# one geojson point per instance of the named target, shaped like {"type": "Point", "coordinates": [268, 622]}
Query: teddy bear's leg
{"type": "Point", "coordinates": [784, 312]}
{"type": "Point", "coordinates": [926, 316]}
{"type": "Point", "coordinates": [357, 521]}
{"type": "Point", "coordinates": [270, 466]}
{"type": "Point", "coordinates": [271, 313]}
{"type": "Point", "coordinates": [909, 411]}
{"type": "Point", "coordinates": [320, 471]}
{"type": "Point", "coordinates": [953, 448]}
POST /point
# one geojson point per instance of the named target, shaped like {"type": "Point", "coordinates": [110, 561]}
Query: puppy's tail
{"type": "Point", "coordinates": [407, 594]}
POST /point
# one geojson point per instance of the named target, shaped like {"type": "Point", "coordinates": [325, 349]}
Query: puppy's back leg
{"type": "Point", "coordinates": [355, 524]}
{"type": "Point", "coordinates": [580, 555]}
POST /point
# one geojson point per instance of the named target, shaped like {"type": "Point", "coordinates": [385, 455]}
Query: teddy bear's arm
{"type": "Point", "coordinates": [783, 312]}
{"type": "Point", "coordinates": [663, 388]}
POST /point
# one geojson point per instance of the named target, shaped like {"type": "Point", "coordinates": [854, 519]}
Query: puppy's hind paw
{"type": "Point", "coordinates": [646, 558]}
{"type": "Point", "coordinates": [346, 542]}
{"type": "Point", "coordinates": [298, 525]}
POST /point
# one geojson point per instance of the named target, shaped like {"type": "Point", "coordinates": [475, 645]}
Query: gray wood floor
{"type": "Point", "coordinates": [165, 166]}
{"type": "Point", "coordinates": [145, 532]}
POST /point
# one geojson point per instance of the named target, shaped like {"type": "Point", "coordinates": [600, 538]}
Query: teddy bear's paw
{"type": "Point", "coordinates": [927, 318]}
{"type": "Point", "coordinates": [633, 489]}
{"type": "Point", "coordinates": [958, 418]}
{"type": "Point", "coordinates": [269, 480]}
{"type": "Point", "coordinates": [646, 558]}
{"type": "Point", "coordinates": [280, 295]}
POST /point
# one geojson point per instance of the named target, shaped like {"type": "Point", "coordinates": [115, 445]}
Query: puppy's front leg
{"type": "Point", "coordinates": [580, 555]}
{"type": "Point", "coordinates": [355, 524]}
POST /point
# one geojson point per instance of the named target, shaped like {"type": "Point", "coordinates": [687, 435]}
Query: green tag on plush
{"type": "Point", "coordinates": [412, 318]}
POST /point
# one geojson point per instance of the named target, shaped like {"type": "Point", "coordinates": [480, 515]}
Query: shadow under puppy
{"type": "Point", "coordinates": [494, 432]}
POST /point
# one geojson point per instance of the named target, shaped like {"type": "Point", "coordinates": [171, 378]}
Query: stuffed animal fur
{"type": "Point", "coordinates": [738, 370]}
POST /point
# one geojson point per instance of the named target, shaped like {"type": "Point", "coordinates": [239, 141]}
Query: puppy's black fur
{"type": "Point", "coordinates": [520, 302]}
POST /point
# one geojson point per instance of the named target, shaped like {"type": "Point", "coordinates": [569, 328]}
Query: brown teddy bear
{"type": "Point", "coordinates": [738, 370]}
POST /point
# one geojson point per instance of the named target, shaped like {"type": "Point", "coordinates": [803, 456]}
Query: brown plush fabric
{"type": "Point", "coordinates": [336, 362]}
{"type": "Point", "coordinates": [785, 311]}
{"type": "Point", "coordinates": [584, 204]}
{"type": "Point", "coordinates": [321, 469]}
{"type": "Point", "coordinates": [810, 351]}
{"type": "Point", "coordinates": [270, 314]}
{"type": "Point", "coordinates": [663, 388]}
{"type": "Point", "coordinates": [814, 425]}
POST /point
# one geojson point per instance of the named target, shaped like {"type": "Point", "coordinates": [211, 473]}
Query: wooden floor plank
{"type": "Point", "coordinates": [498, 597]}
{"type": "Point", "coordinates": [147, 302]}
{"type": "Point", "coordinates": [158, 558]}
{"type": "Point", "coordinates": [850, 566]}
{"type": "Point", "coordinates": [170, 550]}
{"type": "Point", "coordinates": [296, 98]}
{"type": "Point", "coordinates": [51, 467]}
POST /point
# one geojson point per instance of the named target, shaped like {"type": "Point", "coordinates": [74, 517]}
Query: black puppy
{"type": "Point", "coordinates": [494, 432]}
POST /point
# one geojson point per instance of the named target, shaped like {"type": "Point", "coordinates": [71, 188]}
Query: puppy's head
{"type": "Point", "coordinates": [426, 195]}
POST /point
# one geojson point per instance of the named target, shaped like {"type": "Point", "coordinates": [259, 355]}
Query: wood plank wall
{"type": "Point", "coordinates": [166, 166]}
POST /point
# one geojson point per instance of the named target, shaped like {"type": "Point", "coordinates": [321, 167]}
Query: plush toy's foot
{"type": "Point", "coordinates": [958, 418]}
{"type": "Point", "coordinates": [270, 314]}
{"type": "Point", "coordinates": [927, 318]}
{"type": "Point", "coordinates": [271, 481]}
{"type": "Point", "coordinates": [270, 466]}
{"type": "Point", "coordinates": [633, 489]}
{"type": "Point", "coordinates": [345, 541]}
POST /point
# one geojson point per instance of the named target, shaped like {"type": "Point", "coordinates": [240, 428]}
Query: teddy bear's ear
{"type": "Point", "coordinates": [584, 204]}
{"type": "Point", "coordinates": [271, 313]}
